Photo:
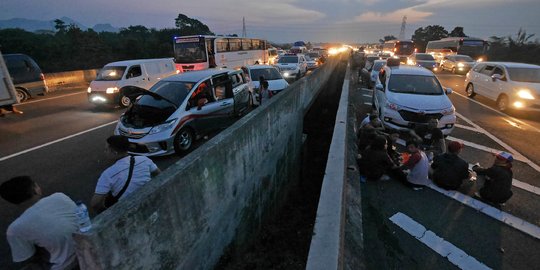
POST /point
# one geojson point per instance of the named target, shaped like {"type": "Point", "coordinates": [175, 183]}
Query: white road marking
{"type": "Point", "coordinates": [465, 127]}
{"type": "Point", "coordinates": [367, 103]}
{"type": "Point", "coordinates": [367, 89]}
{"type": "Point", "coordinates": [444, 248]}
{"type": "Point", "coordinates": [55, 141]}
{"type": "Point", "coordinates": [499, 112]}
{"type": "Point", "coordinates": [516, 154]}
{"type": "Point", "coordinates": [515, 182]}
{"type": "Point", "coordinates": [510, 220]}
{"type": "Point", "coordinates": [45, 99]}
{"type": "Point", "coordinates": [366, 95]}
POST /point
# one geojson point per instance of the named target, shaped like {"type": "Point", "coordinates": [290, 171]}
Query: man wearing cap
{"type": "Point", "coordinates": [449, 170]}
{"type": "Point", "coordinates": [498, 179]}
{"type": "Point", "coordinates": [114, 178]}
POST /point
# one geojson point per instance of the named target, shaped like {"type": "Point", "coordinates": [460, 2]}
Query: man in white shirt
{"type": "Point", "coordinates": [114, 178]}
{"type": "Point", "coordinates": [41, 236]}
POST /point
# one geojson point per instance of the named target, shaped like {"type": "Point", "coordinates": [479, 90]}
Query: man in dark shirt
{"type": "Point", "coordinates": [449, 170]}
{"type": "Point", "coordinates": [430, 137]}
{"type": "Point", "coordinates": [498, 179]}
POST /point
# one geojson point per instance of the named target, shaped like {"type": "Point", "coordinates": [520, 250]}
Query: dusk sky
{"type": "Point", "coordinates": [350, 21]}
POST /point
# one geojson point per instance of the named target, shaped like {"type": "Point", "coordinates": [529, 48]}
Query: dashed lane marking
{"type": "Point", "coordinates": [517, 155]}
{"type": "Point", "coordinates": [368, 96]}
{"type": "Point", "coordinates": [367, 103]}
{"type": "Point", "coordinates": [508, 219]}
{"type": "Point", "coordinates": [46, 99]}
{"type": "Point", "coordinates": [55, 141]}
{"type": "Point", "coordinates": [444, 248]}
{"type": "Point", "coordinates": [465, 127]}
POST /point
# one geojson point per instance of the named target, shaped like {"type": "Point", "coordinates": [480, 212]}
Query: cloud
{"type": "Point", "coordinates": [413, 16]}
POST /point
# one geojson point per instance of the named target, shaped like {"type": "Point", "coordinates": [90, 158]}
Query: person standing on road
{"type": "Point", "coordinates": [114, 179]}
{"type": "Point", "coordinates": [450, 170]}
{"type": "Point", "coordinates": [497, 179]}
{"type": "Point", "coordinates": [40, 238]}
{"type": "Point", "coordinates": [418, 166]}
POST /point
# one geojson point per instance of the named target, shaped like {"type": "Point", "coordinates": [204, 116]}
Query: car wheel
{"type": "Point", "coordinates": [125, 101]}
{"type": "Point", "coordinates": [183, 140]}
{"type": "Point", "coordinates": [21, 95]}
{"type": "Point", "coordinates": [502, 103]}
{"type": "Point", "coordinates": [470, 90]}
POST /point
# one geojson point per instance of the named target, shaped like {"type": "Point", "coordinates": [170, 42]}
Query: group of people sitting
{"type": "Point", "coordinates": [426, 159]}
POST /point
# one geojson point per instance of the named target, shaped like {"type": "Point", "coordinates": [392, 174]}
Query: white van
{"type": "Point", "coordinates": [108, 86]}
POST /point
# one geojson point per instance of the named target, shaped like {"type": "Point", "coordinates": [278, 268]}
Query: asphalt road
{"type": "Point", "coordinates": [492, 242]}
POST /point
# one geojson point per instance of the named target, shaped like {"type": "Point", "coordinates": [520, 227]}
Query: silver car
{"type": "Point", "coordinates": [457, 63]}
{"type": "Point", "coordinates": [182, 108]}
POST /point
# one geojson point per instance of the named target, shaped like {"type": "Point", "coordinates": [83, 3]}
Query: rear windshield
{"type": "Point", "coordinates": [267, 73]}
{"type": "Point", "coordinates": [413, 84]}
{"type": "Point", "coordinates": [288, 59]}
{"type": "Point", "coordinates": [111, 73]}
{"type": "Point", "coordinates": [424, 57]}
{"type": "Point", "coordinates": [530, 75]}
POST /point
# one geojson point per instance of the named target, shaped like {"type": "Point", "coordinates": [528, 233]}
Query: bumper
{"type": "Point", "coordinates": [158, 144]}
{"type": "Point", "coordinates": [99, 98]}
{"type": "Point", "coordinates": [394, 120]}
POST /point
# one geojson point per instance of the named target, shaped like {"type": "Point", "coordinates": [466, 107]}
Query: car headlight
{"type": "Point", "coordinates": [525, 94]}
{"type": "Point", "coordinates": [89, 90]}
{"type": "Point", "coordinates": [112, 90]}
{"type": "Point", "coordinates": [163, 127]}
{"type": "Point", "coordinates": [286, 74]}
{"type": "Point", "coordinates": [449, 111]}
{"type": "Point", "coordinates": [460, 65]}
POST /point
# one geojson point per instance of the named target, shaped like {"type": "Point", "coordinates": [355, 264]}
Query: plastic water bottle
{"type": "Point", "coordinates": [83, 218]}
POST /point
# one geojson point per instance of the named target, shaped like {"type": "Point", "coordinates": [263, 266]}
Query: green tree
{"type": "Point", "coordinates": [59, 25]}
{"type": "Point", "coordinates": [423, 35]}
{"type": "Point", "coordinates": [457, 32]}
{"type": "Point", "coordinates": [387, 38]}
{"type": "Point", "coordinates": [190, 26]}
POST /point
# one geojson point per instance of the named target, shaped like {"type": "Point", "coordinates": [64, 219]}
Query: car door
{"type": "Point", "coordinates": [483, 80]}
{"type": "Point", "coordinates": [224, 109]}
{"type": "Point", "coordinates": [134, 77]}
{"type": "Point", "coordinates": [204, 108]}
{"type": "Point", "coordinates": [496, 86]}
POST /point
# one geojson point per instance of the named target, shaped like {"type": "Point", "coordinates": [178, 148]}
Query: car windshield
{"type": "Point", "coordinates": [464, 58]}
{"type": "Point", "coordinates": [111, 73]}
{"type": "Point", "coordinates": [378, 65]}
{"type": "Point", "coordinates": [530, 75]}
{"type": "Point", "coordinates": [288, 60]}
{"type": "Point", "coordinates": [267, 73]}
{"type": "Point", "coordinates": [424, 57]}
{"type": "Point", "coordinates": [415, 84]}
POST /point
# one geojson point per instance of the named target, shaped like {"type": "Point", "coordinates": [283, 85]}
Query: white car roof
{"type": "Point", "coordinates": [512, 64]}
{"type": "Point", "coordinates": [409, 70]}
{"type": "Point", "coordinates": [195, 76]}
{"type": "Point", "coordinates": [137, 61]}
{"type": "Point", "coordinates": [259, 67]}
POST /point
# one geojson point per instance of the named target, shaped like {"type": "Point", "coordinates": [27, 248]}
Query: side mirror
{"type": "Point", "coordinates": [449, 91]}
{"type": "Point", "coordinates": [379, 87]}
{"type": "Point", "coordinates": [495, 77]}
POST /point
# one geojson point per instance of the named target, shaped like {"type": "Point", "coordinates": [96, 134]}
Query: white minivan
{"type": "Point", "coordinates": [108, 86]}
{"type": "Point", "coordinates": [406, 96]}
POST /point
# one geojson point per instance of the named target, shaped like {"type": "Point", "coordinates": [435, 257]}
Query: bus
{"type": "Point", "coordinates": [473, 47]}
{"type": "Point", "coordinates": [202, 52]}
{"type": "Point", "coordinates": [399, 48]}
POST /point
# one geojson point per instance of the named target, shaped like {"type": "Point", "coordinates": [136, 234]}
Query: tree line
{"type": "Point", "coordinates": [518, 48]}
{"type": "Point", "coordinates": [70, 48]}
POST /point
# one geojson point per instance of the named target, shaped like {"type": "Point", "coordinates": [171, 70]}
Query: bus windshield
{"type": "Point", "coordinates": [472, 48]}
{"type": "Point", "coordinates": [189, 52]}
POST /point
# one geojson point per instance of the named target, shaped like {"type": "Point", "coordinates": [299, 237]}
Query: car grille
{"type": "Point", "coordinates": [132, 135]}
{"type": "Point", "coordinates": [418, 117]}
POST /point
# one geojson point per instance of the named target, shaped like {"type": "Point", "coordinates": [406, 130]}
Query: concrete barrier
{"type": "Point", "coordinates": [76, 78]}
{"type": "Point", "coordinates": [215, 197]}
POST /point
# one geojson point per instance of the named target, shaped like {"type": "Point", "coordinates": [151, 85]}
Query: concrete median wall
{"type": "Point", "coordinates": [214, 197]}
{"type": "Point", "coordinates": [77, 78]}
